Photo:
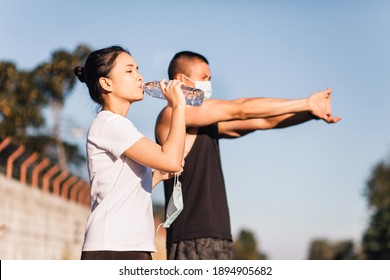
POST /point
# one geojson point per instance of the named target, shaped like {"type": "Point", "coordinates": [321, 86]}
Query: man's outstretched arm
{"type": "Point", "coordinates": [215, 111]}
{"type": "Point", "coordinates": [238, 128]}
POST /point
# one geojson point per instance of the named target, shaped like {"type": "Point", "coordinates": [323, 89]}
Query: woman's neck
{"type": "Point", "coordinates": [120, 110]}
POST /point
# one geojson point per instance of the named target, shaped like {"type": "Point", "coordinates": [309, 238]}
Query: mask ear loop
{"type": "Point", "coordinates": [188, 78]}
{"type": "Point", "coordinates": [160, 225]}
{"type": "Point", "coordinates": [175, 178]}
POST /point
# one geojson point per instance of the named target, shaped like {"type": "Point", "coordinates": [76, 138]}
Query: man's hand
{"type": "Point", "coordinates": [321, 107]}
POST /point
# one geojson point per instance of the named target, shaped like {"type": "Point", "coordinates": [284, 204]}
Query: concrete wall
{"type": "Point", "coordinates": [38, 225]}
{"type": "Point", "coordinates": [41, 226]}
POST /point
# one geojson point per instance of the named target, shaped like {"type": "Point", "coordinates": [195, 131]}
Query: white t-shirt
{"type": "Point", "coordinates": [121, 216]}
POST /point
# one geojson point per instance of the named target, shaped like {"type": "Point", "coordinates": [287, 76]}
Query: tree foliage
{"type": "Point", "coordinates": [25, 94]}
{"type": "Point", "coordinates": [245, 247]}
{"type": "Point", "coordinates": [376, 239]}
{"type": "Point", "coordinates": [55, 78]}
{"type": "Point", "coordinates": [21, 102]}
{"type": "Point", "coordinates": [322, 249]}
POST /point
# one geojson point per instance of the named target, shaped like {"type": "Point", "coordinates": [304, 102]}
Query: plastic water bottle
{"type": "Point", "coordinates": [194, 96]}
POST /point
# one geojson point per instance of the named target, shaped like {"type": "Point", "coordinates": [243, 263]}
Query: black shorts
{"type": "Point", "coordinates": [116, 255]}
{"type": "Point", "coordinates": [201, 249]}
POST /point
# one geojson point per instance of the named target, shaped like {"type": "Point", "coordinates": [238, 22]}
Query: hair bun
{"type": "Point", "coordinates": [80, 73]}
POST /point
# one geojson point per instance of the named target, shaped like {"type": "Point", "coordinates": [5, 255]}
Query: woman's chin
{"type": "Point", "coordinates": [137, 98]}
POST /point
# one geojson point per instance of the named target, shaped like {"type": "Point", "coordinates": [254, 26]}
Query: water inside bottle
{"type": "Point", "coordinates": [194, 96]}
{"type": "Point", "coordinates": [153, 89]}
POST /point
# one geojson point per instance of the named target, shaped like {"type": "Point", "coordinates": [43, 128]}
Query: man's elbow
{"type": "Point", "coordinates": [243, 111]}
{"type": "Point", "coordinates": [238, 113]}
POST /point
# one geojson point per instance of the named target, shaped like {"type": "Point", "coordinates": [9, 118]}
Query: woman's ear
{"type": "Point", "coordinates": [105, 83]}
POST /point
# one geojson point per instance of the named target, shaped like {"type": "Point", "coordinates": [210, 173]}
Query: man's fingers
{"type": "Point", "coordinates": [336, 119]}
{"type": "Point", "coordinates": [330, 119]}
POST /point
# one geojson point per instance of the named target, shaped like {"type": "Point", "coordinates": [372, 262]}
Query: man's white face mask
{"type": "Point", "coordinates": [203, 85]}
{"type": "Point", "coordinates": [206, 87]}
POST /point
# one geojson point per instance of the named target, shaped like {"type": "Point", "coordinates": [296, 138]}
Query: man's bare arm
{"type": "Point", "coordinates": [239, 128]}
{"type": "Point", "coordinates": [214, 111]}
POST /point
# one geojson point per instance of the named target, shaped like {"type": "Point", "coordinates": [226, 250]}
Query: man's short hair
{"type": "Point", "coordinates": [179, 63]}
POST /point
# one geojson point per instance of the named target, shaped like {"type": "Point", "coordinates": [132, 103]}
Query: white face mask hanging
{"type": "Point", "coordinates": [175, 204]}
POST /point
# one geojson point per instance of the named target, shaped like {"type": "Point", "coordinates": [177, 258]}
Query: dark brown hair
{"type": "Point", "coordinates": [99, 64]}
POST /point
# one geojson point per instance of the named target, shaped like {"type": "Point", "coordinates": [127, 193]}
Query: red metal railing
{"type": "Point", "coordinates": [20, 164]}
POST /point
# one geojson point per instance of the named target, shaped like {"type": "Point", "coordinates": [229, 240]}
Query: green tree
{"type": "Point", "coordinates": [344, 250]}
{"type": "Point", "coordinates": [20, 102]}
{"type": "Point", "coordinates": [376, 239]}
{"type": "Point", "coordinates": [56, 80]}
{"type": "Point", "coordinates": [322, 249]}
{"type": "Point", "coordinates": [245, 248]}
{"type": "Point", "coordinates": [25, 94]}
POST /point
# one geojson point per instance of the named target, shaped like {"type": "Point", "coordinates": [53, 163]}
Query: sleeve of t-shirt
{"type": "Point", "coordinates": [117, 135]}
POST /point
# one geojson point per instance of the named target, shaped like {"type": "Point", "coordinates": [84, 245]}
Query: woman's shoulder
{"type": "Point", "coordinates": [107, 120]}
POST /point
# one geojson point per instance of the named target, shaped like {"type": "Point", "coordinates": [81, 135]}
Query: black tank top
{"type": "Point", "coordinates": [205, 212]}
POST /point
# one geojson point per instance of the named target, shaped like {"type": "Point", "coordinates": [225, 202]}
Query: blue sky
{"type": "Point", "coordinates": [288, 186]}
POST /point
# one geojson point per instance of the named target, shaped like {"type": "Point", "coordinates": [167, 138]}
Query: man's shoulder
{"type": "Point", "coordinates": [163, 115]}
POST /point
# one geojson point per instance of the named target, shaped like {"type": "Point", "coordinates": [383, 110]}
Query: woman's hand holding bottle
{"type": "Point", "coordinates": [173, 92]}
